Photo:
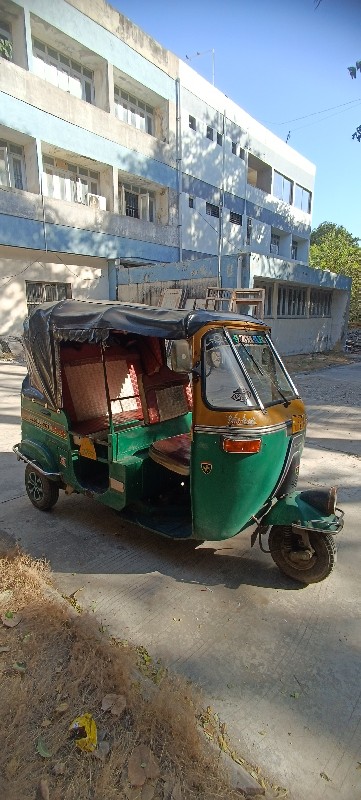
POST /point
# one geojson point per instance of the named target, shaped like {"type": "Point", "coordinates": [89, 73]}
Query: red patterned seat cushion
{"type": "Point", "coordinates": [173, 453]}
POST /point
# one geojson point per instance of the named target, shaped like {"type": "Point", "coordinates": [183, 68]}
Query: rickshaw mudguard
{"type": "Point", "coordinates": [293, 510]}
{"type": "Point", "coordinates": [38, 455]}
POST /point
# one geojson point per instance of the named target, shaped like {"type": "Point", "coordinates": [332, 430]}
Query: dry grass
{"type": "Point", "coordinates": [308, 362]}
{"type": "Point", "coordinates": [56, 658]}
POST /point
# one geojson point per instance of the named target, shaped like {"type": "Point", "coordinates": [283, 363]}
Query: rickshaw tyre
{"type": "Point", "coordinates": [42, 493]}
{"type": "Point", "coordinates": [321, 564]}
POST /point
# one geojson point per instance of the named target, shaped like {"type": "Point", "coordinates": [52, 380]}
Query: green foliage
{"type": "Point", "coordinates": [335, 249]}
{"type": "Point", "coordinates": [353, 72]}
{"type": "Point", "coordinates": [6, 49]}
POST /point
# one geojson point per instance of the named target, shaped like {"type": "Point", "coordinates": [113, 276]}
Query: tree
{"type": "Point", "coordinates": [335, 249]}
{"type": "Point", "coordinates": [353, 72]}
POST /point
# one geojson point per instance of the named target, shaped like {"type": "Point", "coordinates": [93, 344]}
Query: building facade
{"type": "Point", "coordinates": [123, 172]}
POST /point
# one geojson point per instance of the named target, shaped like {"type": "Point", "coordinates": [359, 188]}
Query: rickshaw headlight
{"type": "Point", "coordinates": [231, 445]}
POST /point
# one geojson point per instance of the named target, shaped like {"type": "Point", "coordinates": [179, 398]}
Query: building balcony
{"type": "Point", "coordinates": [30, 220]}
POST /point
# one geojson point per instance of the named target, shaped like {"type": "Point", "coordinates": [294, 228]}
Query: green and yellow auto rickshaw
{"type": "Point", "coordinates": [186, 422]}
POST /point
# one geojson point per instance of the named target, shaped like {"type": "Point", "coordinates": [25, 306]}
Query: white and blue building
{"type": "Point", "coordinates": [123, 173]}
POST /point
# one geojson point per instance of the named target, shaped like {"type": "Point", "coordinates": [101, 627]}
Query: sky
{"type": "Point", "coordinates": [285, 63]}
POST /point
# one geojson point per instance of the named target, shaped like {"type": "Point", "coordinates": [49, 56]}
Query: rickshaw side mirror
{"type": "Point", "coordinates": [181, 356]}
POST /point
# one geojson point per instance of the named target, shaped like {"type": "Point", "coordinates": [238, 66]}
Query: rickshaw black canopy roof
{"type": "Point", "coordinates": [80, 321]}
{"type": "Point", "coordinates": [94, 321]}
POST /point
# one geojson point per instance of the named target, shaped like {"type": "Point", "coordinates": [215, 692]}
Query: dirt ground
{"type": "Point", "coordinates": [308, 362]}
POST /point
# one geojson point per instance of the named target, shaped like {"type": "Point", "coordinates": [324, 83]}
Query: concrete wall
{"type": "Point", "coordinates": [87, 282]}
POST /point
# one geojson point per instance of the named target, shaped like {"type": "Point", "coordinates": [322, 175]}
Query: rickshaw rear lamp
{"type": "Point", "coordinates": [241, 445]}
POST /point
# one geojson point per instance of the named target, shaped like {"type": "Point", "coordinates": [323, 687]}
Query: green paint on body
{"type": "Point", "coordinates": [227, 495]}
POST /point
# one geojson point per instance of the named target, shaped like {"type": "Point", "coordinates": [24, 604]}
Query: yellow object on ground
{"type": "Point", "coordinates": [84, 732]}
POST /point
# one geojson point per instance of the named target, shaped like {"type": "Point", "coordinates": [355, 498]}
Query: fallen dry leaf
{"type": "Point", "coordinates": [46, 723]}
{"type": "Point", "coordinates": [10, 619]}
{"type": "Point", "coordinates": [148, 791]}
{"type": "Point", "coordinates": [61, 708]}
{"type": "Point", "coordinates": [44, 790]}
{"type": "Point", "coordinates": [4, 649]}
{"type": "Point", "coordinates": [142, 765]}
{"type": "Point", "coordinates": [115, 703]}
{"type": "Point", "coordinates": [102, 751]}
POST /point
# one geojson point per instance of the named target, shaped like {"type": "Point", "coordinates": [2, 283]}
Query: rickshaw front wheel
{"type": "Point", "coordinates": [302, 565]}
{"type": "Point", "coordinates": [42, 492]}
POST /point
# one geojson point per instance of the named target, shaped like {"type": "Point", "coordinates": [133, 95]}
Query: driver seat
{"type": "Point", "coordinates": [173, 453]}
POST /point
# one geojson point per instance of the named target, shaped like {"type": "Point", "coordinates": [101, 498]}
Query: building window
{"type": "Point", "coordinates": [235, 218]}
{"type": "Point", "coordinates": [249, 230]}
{"type": "Point", "coordinates": [70, 182]}
{"type": "Point", "coordinates": [275, 244]}
{"type": "Point", "coordinates": [234, 148]}
{"type": "Point", "coordinates": [242, 153]}
{"type": "Point", "coordinates": [212, 210]}
{"type": "Point", "coordinates": [282, 187]}
{"type": "Point", "coordinates": [133, 111]}
{"type": "Point", "coordinates": [219, 139]}
{"type": "Point", "coordinates": [191, 201]}
{"type": "Point", "coordinates": [192, 123]}
{"type": "Point", "coordinates": [259, 174]}
{"type": "Point", "coordinates": [320, 303]}
{"type": "Point", "coordinates": [63, 72]}
{"type": "Point", "coordinates": [294, 250]}
{"type": "Point", "coordinates": [6, 42]}
{"type": "Point", "coordinates": [302, 199]}
{"type": "Point", "coordinates": [291, 302]}
{"type": "Point", "coordinates": [45, 293]}
{"type": "Point", "coordinates": [12, 165]}
{"type": "Point", "coordinates": [209, 133]}
{"type": "Point", "coordinates": [137, 202]}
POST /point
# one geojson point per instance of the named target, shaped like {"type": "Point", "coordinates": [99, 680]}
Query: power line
{"type": "Point", "coordinates": [314, 113]}
{"type": "Point", "coordinates": [300, 127]}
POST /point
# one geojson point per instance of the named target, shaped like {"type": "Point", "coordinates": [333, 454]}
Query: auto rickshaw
{"type": "Point", "coordinates": [185, 422]}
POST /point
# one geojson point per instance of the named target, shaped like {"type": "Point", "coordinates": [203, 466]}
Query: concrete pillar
{"type": "Point", "coordinates": [104, 92]}
{"type": "Point", "coordinates": [274, 300]}
{"type": "Point", "coordinates": [339, 321]}
{"type": "Point", "coordinates": [20, 55]}
{"type": "Point", "coordinates": [109, 187]}
{"type": "Point", "coordinates": [28, 42]}
{"type": "Point", "coordinates": [33, 166]}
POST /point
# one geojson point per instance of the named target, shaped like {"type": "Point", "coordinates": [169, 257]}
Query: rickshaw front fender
{"type": "Point", "coordinates": [294, 510]}
{"type": "Point", "coordinates": [38, 456]}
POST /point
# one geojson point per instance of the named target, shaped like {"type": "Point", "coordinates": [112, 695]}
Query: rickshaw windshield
{"type": "Point", "coordinates": [242, 371]}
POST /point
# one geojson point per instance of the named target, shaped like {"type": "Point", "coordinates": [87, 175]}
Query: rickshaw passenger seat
{"type": "Point", "coordinates": [173, 453]}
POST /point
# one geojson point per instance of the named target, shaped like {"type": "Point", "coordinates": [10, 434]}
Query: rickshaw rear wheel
{"type": "Point", "coordinates": [41, 492]}
{"type": "Point", "coordinates": [284, 546]}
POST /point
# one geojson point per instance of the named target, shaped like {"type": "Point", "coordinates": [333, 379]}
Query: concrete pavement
{"type": "Point", "coordinates": [279, 662]}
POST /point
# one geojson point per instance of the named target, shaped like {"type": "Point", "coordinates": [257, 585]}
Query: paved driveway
{"type": "Point", "coordinates": [280, 663]}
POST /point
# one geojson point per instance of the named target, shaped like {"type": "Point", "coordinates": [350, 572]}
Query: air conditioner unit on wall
{"type": "Point", "coordinates": [96, 201]}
